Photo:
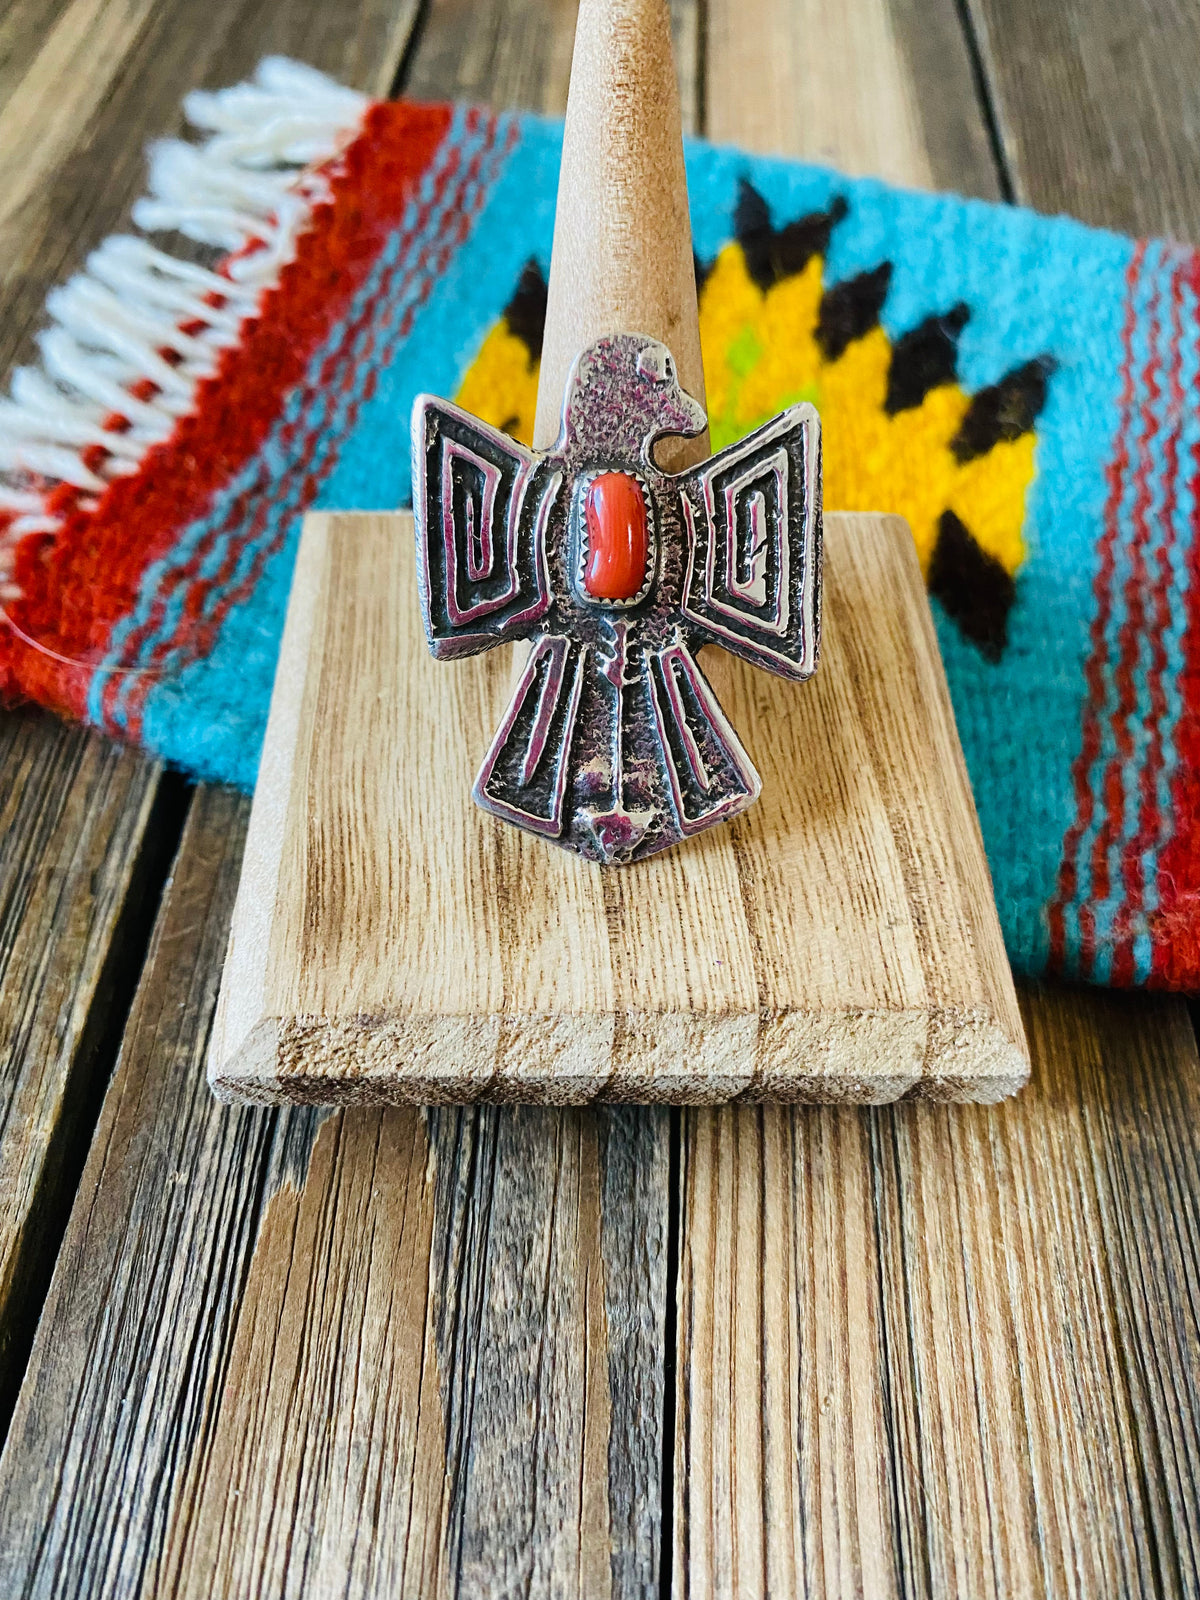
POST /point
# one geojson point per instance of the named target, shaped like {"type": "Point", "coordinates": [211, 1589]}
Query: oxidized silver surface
{"type": "Point", "coordinates": [613, 744]}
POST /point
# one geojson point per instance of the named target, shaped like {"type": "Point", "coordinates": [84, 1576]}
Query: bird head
{"type": "Point", "coordinates": [623, 391]}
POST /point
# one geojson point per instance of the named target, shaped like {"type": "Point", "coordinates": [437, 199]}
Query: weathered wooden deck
{"type": "Point", "coordinates": [917, 1351]}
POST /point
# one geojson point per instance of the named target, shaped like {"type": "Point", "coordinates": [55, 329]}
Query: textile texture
{"type": "Point", "coordinates": [1022, 389]}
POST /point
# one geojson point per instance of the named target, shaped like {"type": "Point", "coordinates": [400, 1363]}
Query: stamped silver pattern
{"type": "Point", "coordinates": [613, 744]}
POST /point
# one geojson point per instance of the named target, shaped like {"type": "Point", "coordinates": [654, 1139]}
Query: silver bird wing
{"type": "Point", "coordinates": [753, 516]}
{"type": "Point", "coordinates": [480, 503]}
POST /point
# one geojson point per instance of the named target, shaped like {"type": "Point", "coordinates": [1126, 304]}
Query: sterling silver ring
{"type": "Point", "coordinates": [613, 744]}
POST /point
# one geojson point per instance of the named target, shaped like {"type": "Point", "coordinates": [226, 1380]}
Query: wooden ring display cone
{"type": "Point", "coordinates": [391, 942]}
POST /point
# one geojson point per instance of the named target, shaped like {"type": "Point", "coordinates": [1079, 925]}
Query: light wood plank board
{"type": "Point", "coordinates": [950, 1351]}
{"type": "Point", "coordinates": [391, 942]}
{"type": "Point", "coordinates": [390, 945]}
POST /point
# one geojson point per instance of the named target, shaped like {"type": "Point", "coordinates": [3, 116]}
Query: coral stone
{"type": "Point", "coordinates": [617, 538]}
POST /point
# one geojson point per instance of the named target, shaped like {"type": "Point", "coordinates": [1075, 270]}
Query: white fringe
{"type": "Point", "coordinates": [244, 190]}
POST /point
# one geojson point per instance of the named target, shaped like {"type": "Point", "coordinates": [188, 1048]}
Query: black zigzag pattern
{"type": "Point", "coordinates": [973, 587]}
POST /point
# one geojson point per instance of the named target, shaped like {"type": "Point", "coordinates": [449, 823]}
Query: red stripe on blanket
{"type": "Point", "coordinates": [197, 631]}
{"type": "Point", "coordinates": [76, 584]}
{"type": "Point", "coordinates": [1129, 643]}
{"type": "Point", "coordinates": [1175, 936]}
{"type": "Point", "coordinates": [1128, 640]}
{"type": "Point", "coordinates": [310, 242]}
{"type": "Point", "coordinates": [1094, 671]}
{"type": "Point", "coordinates": [1150, 818]}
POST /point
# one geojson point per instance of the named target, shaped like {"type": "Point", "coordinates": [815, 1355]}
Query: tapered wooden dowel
{"type": "Point", "coordinates": [622, 259]}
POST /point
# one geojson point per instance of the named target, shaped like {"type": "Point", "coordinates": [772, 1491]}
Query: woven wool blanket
{"type": "Point", "coordinates": [1022, 389]}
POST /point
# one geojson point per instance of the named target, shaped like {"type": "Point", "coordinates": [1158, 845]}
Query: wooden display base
{"type": "Point", "coordinates": [391, 942]}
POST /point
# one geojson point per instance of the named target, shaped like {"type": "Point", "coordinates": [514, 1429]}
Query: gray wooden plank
{"type": "Point", "coordinates": [953, 1351]}
{"type": "Point", "coordinates": [86, 832]}
{"type": "Point", "coordinates": [365, 1351]}
{"type": "Point", "coordinates": [937, 60]}
{"type": "Point", "coordinates": [504, 53]}
{"type": "Point", "coordinates": [147, 1282]}
{"type": "Point", "coordinates": [1096, 107]}
{"type": "Point", "coordinates": [109, 76]}
{"type": "Point", "coordinates": [89, 829]}
{"type": "Point", "coordinates": [549, 1297]}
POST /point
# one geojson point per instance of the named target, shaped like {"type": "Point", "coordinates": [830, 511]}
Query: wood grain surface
{"type": "Point", "coordinates": [479, 1298]}
{"type": "Point", "coordinates": [861, 117]}
{"type": "Point", "coordinates": [391, 942]}
{"type": "Point", "coordinates": [975, 1331]}
{"type": "Point", "coordinates": [1095, 108]}
{"type": "Point", "coordinates": [503, 53]}
{"type": "Point", "coordinates": [949, 1351]}
{"type": "Point", "coordinates": [88, 832]}
{"type": "Point", "coordinates": [840, 942]}
{"type": "Point", "coordinates": [81, 823]}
